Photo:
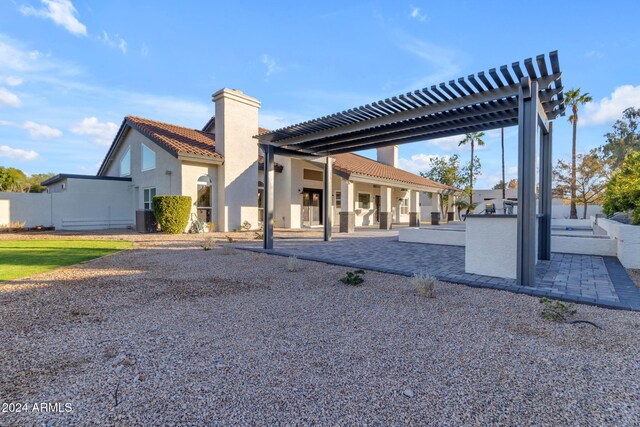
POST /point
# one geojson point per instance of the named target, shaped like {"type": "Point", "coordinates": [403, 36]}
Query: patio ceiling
{"type": "Point", "coordinates": [477, 103]}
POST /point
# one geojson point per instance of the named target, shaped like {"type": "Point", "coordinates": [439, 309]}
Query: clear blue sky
{"type": "Point", "coordinates": [70, 71]}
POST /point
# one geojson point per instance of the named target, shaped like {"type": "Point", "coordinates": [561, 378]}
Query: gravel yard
{"type": "Point", "coordinates": [168, 334]}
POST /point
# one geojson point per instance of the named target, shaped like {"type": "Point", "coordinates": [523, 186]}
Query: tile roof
{"type": "Point", "coordinates": [353, 163]}
{"type": "Point", "coordinates": [176, 139]}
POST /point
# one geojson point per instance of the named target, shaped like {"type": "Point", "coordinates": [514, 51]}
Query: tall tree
{"type": "Point", "coordinates": [624, 139]}
{"type": "Point", "coordinates": [574, 99]}
{"type": "Point", "coordinates": [591, 179]}
{"type": "Point", "coordinates": [446, 170]}
{"type": "Point", "coordinates": [473, 138]}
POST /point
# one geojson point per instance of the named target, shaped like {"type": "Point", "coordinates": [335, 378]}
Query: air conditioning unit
{"type": "Point", "coordinates": [146, 221]}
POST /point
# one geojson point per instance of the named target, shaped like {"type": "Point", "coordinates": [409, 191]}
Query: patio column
{"type": "Point", "coordinates": [414, 208]}
{"type": "Point", "coordinates": [546, 175]}
{"type": "Point", "coordinates": [347, 216]}
{"type": "Point", "coordinates": [328, 205]}
{"type": "Point", "coordinates": [269, 176]}
{"type": "Point", "coordinates": [527, 135]}
{"type": "Point", "coordinates": [385, 207]}
{"type": "Point", "coordinates": [435, 203]}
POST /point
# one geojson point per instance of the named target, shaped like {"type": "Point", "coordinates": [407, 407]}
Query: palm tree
{"type": "Point", "coordinates": [473, 138]}
{"type": "Point", "coordinates": [574, 99]}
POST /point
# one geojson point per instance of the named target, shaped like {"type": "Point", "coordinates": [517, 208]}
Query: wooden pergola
{"type": "Point", "coordinates": [528, 95]}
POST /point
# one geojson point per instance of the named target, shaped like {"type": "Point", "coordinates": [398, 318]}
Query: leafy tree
{"type": "Point", "coordinates": [622, 194]}
{"type": "Point", "coordinates": [624, 139]}
{"type": "Point", "coordinates": [591, 179]}
{"type": "Point", "coordinates": [447, 170]}
{"type": "Point", "coordinates": [35, 180]}
{"type": "Point", "coordinates": [574, 99]}
{"type": "Point", "coordinates": [12, 179]}
{"type": "Point", "coordinates": [473, 138]}
{"type": "Point", "coordinates": [512, 185]}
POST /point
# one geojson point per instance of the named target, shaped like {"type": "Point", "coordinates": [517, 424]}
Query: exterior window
{"type": "Point", "coordinates": [148, 197]}
{"type": "Point", "coordinates": [148, 158]}
{"type": "Point", "coordinates": [203, 200]}
{"type": "Point", "coordinates": [312, 175]}
{"type": "Point", "coordinates": [364, 200]}
{"type": "Point", "coordinates": [125, 163]}
{"type": "Point", "coordinates": [404, 207]}
{"type": "Point", "coordinates": [338, 199]}
{"type": "Point", "coordinates": [260, 201]}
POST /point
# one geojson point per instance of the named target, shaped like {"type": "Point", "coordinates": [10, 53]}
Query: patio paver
{"type": "Point", "coordinates": [585, 279]}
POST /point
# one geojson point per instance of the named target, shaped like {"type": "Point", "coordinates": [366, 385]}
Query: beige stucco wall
{"type": "Point", "coordinates": [157, 177]}
{"type": "Point", "coordinates": [190, 173]}
{"type": "Point", "coordinates": [236, 125]}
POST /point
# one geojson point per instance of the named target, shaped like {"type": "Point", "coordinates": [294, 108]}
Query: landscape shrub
{"type": "Point", "coordinates": [293, 264]}
{"type": "Point", "coordinates": [353, 278]}
{"type": "Point", "coordinates": [623, 191]}
{"type": "Point", "coordinates": [425, 284]}
{"type": "Point", "coordinates": [172, 213]}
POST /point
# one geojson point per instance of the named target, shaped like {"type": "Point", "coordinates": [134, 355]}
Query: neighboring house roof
{"type": "Point", "coordinates": [350, 163]}
{"type": "Point", "coordinates": [63, 176]}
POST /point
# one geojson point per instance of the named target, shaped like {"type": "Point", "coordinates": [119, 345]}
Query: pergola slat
{"type": "Point", "coordinates": [472, 93]}
{"type": "Point", "coordinates": [506, 74]}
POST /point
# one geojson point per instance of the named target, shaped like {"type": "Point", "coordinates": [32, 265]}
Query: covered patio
{"type": "Point", "coordinates": [528, 95]}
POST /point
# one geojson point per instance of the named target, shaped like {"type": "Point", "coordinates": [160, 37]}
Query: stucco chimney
{"type": "Point", "coordinates": [388, 155]}
{"type": "Point", "coordinates": [236, 124]}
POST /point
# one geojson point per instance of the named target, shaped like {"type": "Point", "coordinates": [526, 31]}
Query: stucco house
{"type": "Point", "coordinates": [220, 168]}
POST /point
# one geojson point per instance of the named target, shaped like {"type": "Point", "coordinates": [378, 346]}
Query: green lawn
{"type": "Point", "coordinates": [19, 258]}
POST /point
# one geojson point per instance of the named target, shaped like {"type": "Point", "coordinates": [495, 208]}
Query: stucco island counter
{"type": "Point", "coordinates": [491, 245]}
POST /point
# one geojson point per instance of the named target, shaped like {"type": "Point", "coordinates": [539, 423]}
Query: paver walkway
{"type": "Point", "coordinates": [586, 279]}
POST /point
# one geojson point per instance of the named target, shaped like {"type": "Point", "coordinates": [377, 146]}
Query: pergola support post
{"type": "Point", "coordinates": [414, 208]}
{"type": "Point", "coordinates": [546, 175]}
{"type": "Point", "coordinates": [269, 176]}
{"type": "Point", "coordinates": [347, 216]}
{"type": "Point", "coordinates": [328, 205]}
{"type": "Point", "coordinates": [526, 228]}
{"type": "Point", "coordinates": [385, 208]}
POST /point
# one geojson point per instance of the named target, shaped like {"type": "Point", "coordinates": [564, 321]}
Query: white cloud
{"type": "Point", "coordinates": [16, 57]}
{"type": "Point", "coordinates": [13, 81]}
{"type": "Point", "coordinates": [61, 12]}
{"type": "Point", "coordinates": [593, 54]}
{"type": "Point", "coordinates": [443, 62]}
{"type": "Point", "coordinates": [610, 108]}
{"type": "Point", "coordinates": [115, 42]}
{"type": "Point", "coordinates": [17, 153]}
{"type": "Point", "coordinates": [448, 143]}
{"type": "Point", "coordinates": [416, 13]}
{"type": "Point", "coordinates": [9, 98]}
{"type": "Point", "coordinates": [103, 132]}
{"type": "Point", "coordinates": [418, 162]}
{"type": "Point", "coordinates": [270, 62]}
{"type": "Point", "coordinates": [39, 131]}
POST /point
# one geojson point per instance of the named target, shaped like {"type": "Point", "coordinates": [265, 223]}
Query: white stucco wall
{"type": "Point", "coordinates": [106, 204]}
{"type": "Point", "coordinates": [439, 236]}
{"type": "Point", "coordinates": [491, 246]}
{"type": "Point", "coordinates": [627, 238]}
